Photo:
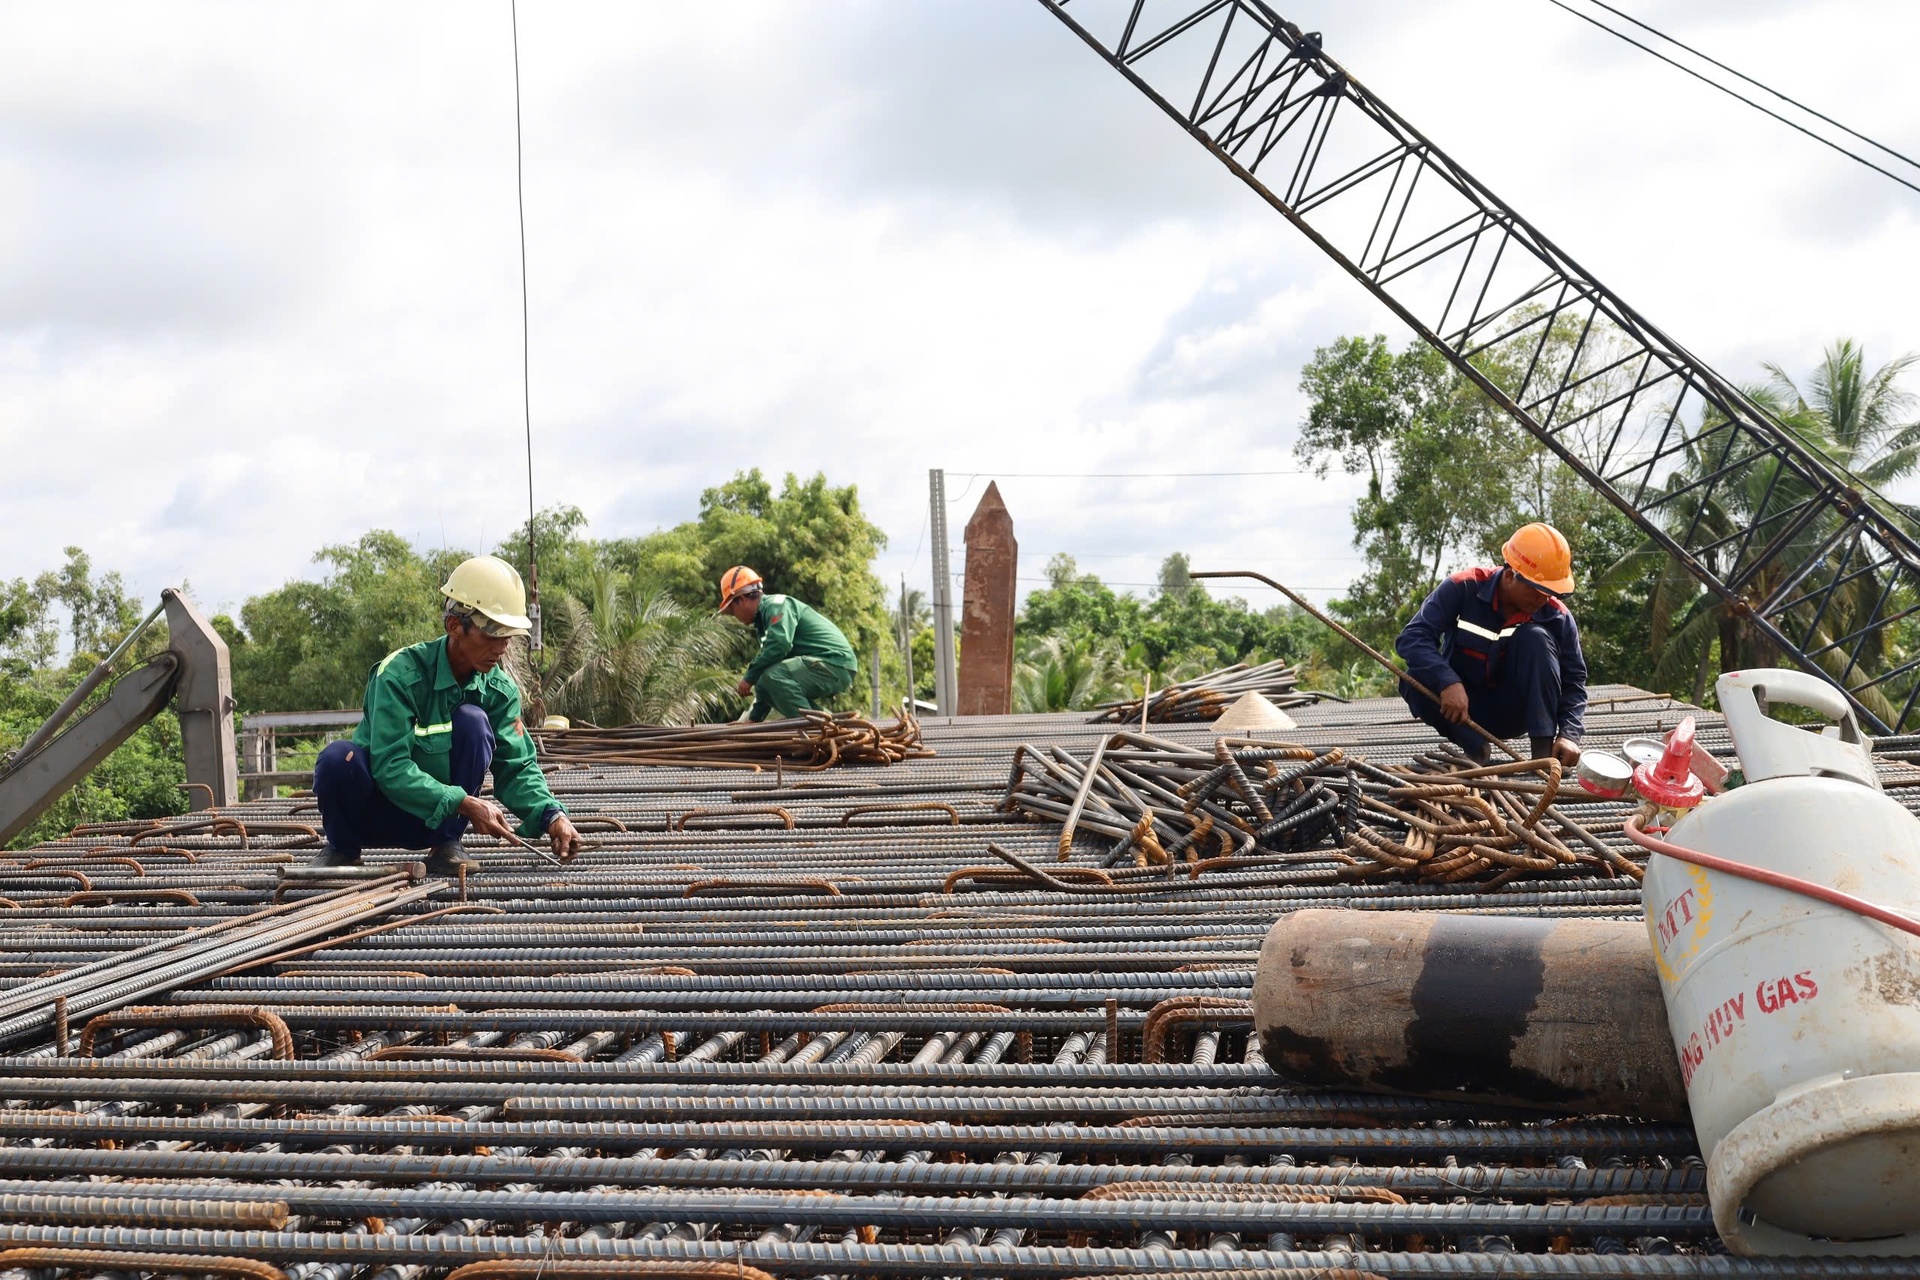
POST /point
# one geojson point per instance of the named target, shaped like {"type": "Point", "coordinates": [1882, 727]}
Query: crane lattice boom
{"type": "Point", "coordinates": [1824, 571]}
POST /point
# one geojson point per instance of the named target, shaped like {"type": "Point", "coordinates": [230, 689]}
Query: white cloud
{"type": "Point", "coordinates": [259, 275]}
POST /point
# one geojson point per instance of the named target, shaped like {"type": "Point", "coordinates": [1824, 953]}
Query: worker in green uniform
{"type": "Point", "coordinates": [803, 657]}
{"type": "Point", "coordinates": [440, 715]}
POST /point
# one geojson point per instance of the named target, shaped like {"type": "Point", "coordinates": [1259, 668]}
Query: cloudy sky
{"type": "Point", "coordinates": [259, 273]}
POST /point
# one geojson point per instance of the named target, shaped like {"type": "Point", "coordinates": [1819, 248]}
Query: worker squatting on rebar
{"type": "Point", "coordinates": [1501, 648]}
{"type": "Point", "coordinates": [439, 715]}
{"type": "Point", "coordinates": [803, 656]}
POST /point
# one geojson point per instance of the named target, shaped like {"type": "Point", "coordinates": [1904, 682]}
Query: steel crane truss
{"type": "Point", "coordinates": [1757, 516]}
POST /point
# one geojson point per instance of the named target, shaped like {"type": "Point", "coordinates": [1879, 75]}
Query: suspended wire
{"type": "Point", "coordinates": [1735, 94]}
{"type": "Point", "coordinates": [1766, 88]}
{"type": "Point", "coordinates": [526, 354]}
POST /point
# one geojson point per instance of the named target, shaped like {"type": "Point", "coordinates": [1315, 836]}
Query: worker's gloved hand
{"type": "Point", "coordinates": [564, 838]}
{"type": "Point", "coordinates": [1566, 752]}
{"type": "Point", "coordinates": [1453, 703]}
{"type": "Point", "coordinates": [744, 688]}
{"type": "Point", "coordinates": [486, 818]}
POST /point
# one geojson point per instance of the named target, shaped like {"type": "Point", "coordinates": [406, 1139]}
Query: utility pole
{"type": "Point", "coordinates": [946, 682]}
{"type": "Point", "coordinates": [906, 639]}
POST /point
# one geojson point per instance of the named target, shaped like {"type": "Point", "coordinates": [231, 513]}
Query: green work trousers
{"type": "Point", "coordinates": [790, 687]}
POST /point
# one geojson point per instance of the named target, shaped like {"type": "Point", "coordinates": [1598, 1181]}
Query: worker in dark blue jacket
{"type": "Point", "coordinates": [1500, 647]}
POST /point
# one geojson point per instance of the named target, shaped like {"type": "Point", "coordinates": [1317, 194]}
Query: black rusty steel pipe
{"type": "Point", "coordinates": [1564, 1015]}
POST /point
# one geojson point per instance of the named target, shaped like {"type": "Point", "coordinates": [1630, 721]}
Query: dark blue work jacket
{"type": "Point", "coordinates": [1461, 634]}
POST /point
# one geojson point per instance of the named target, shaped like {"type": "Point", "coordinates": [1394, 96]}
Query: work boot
{"type": "Point", "coordinates": [447, 857]}
{"type": "Point", "coordinates": [332, 857]}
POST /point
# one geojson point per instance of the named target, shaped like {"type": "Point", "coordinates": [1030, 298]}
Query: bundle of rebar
{"type": "Point", "coordinates": [197, 954]}
{"type": "Point", "coordinates": [1448, 820]}
{"type": "Point", "coordinates": [1160, 801]}
{"type": "Point", "coordinates": [1206, 697]}
{"type": "Point", "coordinates": [812, 741]}
{"type": "Point", "coordinates": [1249, 804]}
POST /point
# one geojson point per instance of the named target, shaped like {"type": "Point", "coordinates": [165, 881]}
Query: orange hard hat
{"type": "Point", "coordinates": [737, 582]}
{"type": "Point", "coordinates": [1539, 553]}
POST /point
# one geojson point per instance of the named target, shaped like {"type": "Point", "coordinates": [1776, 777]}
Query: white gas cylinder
{"type": "Point", "coordinates": [1797, 1022]}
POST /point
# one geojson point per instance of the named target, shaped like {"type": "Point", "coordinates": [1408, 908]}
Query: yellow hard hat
{"type": "Point", "coordinates": [737, 582]}
{"type": "Point", "coordinates": [490, 586]}
{"type": "Point", "coordinates": [1539, 553]}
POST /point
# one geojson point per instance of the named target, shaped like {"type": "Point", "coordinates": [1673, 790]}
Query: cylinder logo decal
{"type": "Point", "coordinates": [1681, 926]}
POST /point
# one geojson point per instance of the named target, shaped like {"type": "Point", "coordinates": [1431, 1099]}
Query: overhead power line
{"type": "Point", "coordinates": [1734, 93]}
{"type": "Point", "coordinates": [1120, 475]}
{"type": "Point", "coordinates": [1765, 88]}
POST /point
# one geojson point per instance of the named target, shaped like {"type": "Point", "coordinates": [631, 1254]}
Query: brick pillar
{"type": "Point", "coordinates": [986, 611]}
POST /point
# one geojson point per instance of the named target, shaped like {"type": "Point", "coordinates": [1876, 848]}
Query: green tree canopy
{"type": "Point", "coordinates": [1067, 673]}
{"type": "Point", "coordinates": [142, 778]}
{"type": "Point", "coordinates": [1860, 419]}
{"type": "Point", "coordinates": [1440, 460]}
{"type": "Point", "coordinates": [310, 645]}
{"type": "Point", "coordinates": [1178, 633]}
{"type": "Point", "coordinates": [811, 540]}
{"type": "Point", "coordinates": [628, 655]}
{"type": "Point", "coordinates": [1450, 475]}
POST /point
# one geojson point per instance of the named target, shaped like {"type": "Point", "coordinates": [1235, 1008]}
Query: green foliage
{"type": "Point", "coordinates": [629, 655]}
{"type": "Point", "coordinates": [1080, 605]}
{"type": "Point", "coordinates": [1441, 462]}
{"type": "Point", "coordinates": [923, 641]}
{"type": "Point", "coordinates": [1173, 575]}
{"type": "Point", "coordinates": [1065, 673]}
{"type": "Point", "coordinates": [142, 778]}
{"type": "Point", "coordinates": [1855, 418]}
{"type": "Point", "coordinates": [98, 614]}
{"type": "Point", "coordinates": [1449, 476]}
{"type": "Point", "coordinates": [568, 561]}
{"type": "Point", "coordinates": [811, 540]}
{"type": "Point", "coordinates": [1179, 633]}
{"type": "Point", "coordinates": [310, 645]}
{"type": "Point", "coordinates": [139, 780]}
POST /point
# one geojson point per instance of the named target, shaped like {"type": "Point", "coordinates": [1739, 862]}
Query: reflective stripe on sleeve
{"type": "Point", "coordinates": [1464, 625]}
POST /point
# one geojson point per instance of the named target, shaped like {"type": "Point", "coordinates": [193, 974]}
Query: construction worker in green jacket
{"type": "Point", "coordinates": [439, 716]}
{"type": "Point", "coordinates": [803, 657]}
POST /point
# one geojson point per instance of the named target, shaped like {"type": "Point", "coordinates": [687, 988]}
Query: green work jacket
{"type": "Point", "coordinates": [789, 629]}
{"type": "Point", "coordinates": [408, 733]}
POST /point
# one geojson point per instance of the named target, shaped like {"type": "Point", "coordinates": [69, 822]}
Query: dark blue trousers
{"type": "Point", "coordinates": [355, 813]}
{"type": "Point", "coordinates": [1526, 700]}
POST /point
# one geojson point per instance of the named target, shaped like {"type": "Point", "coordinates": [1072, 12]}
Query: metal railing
{"type": "Point", "coordinates": [260, 770]}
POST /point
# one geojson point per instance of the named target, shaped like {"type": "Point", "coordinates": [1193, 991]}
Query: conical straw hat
{"type": "Point", "coordinates": [1252, 714]}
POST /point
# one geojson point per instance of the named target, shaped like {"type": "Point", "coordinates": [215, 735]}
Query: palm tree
{"type": "Point", "coordinates": [634, 656]}
{"type": "Point", "coordinates": [1060, 673]}
{"type": "Point", "coordinates": [1852, 418]}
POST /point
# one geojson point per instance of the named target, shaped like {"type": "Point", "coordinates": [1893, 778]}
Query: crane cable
{"type": "Point", "coordinates": [1735, 94]}
{"type": "Point", "coordinates": [526, 382]}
